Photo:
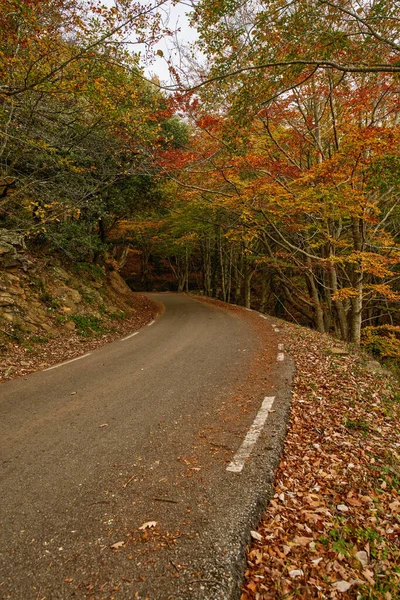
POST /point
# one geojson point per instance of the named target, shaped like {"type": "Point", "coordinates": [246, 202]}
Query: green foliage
{"type": "Point", "coordinates": [175, 132]}
{"type": "Point", "coordinates": [89, 271]}
{"type": "Point", "coordinates": [51, 302]}
{"type": "Point", "coordinates": [88, 325]}
{"type": "Point", "coordinates": [382, 341]}
{"type": "Point", "coordinates": [356, 425]}
{"type": "Point", "coordinates": [117, 316]}
{"type": "Point", "coordinates": [81, 129]}
{"type": "Point", "coordinates": [76, 239]}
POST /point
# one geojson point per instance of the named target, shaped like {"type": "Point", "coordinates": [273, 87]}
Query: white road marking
{"type": "Point", "coordinates": [151, 323]}
{"type": "Point", "coordinates": [280, 356]}
{"type": "Point", "coordinates": [129, 336]}
{"type": "Point", "coordinates": [67, 362]}
{"type": "Point", "coordinates": [280, 346]}
{"type": "Point", "coordinates": [237, 464]}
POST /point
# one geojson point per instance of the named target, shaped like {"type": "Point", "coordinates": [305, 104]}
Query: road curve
{"type": "Point", "coordinates": [139, 431]}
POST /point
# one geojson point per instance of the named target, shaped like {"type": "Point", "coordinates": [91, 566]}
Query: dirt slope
{"type": "Point", "coordinates": [50, 313]}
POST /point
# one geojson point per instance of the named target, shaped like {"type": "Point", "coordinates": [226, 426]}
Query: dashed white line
{"type": "Point", "coordinates": [237, 464]}
{"type": "Point", "coordinates": [280, 346]}
{"type": "Point", "coordinates": [129, 336]}
{"type": "Point", "coordinates": [151, 323]}
{"type": "Point", "coordinates": [67, 362]}
{"type": "Point", "coordinates": [280, 356]}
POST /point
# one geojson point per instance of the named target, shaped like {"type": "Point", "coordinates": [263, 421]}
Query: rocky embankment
{"type": "Point", "coordinates": [51, 312]}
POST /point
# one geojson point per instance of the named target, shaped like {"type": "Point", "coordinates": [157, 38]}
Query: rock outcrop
{"type": "Point", "coordinates": [39, 296]}
{"type": "Point", "coordinates": [12, 249]}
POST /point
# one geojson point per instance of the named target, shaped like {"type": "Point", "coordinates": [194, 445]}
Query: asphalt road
{"type": "Point", "coordinates": [141, 430]}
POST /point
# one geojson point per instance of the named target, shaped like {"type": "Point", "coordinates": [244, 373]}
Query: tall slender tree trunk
{"type": "Point", "coordinates": [246, 279]}
{"type": "Point", "coordinates": [341, 313]}
{"type": "Point", "coordinates": [206, 267]}
{"type": "Point", "coordinates": [222, 266]}
{"type": "Point", "coordinates": [238, 278]}
{"type": "Point", "coordinates": [318, 310]}
{"type": "Point", "coordinates": [264, 292]}
{"type": "Point", "coordinates": [357, 301]}
{"type": "Point", "coordinates": [229, 283]}
{"type": "Point", "coordinates": [186, 270]}
{"type": "Point", "coordinates": [215, 265]}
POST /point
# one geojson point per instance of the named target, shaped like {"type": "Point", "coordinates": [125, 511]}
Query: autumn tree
{"type": "Point", "coordinates": [80, 124]}
{"type": "Point", "coordinates": [307, 96]}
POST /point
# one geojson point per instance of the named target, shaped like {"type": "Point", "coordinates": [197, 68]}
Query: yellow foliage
{"type": "Point", "coordinates": [383, 341]}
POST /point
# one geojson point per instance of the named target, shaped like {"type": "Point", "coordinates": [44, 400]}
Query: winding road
{"type": "Point", "coordinates": [138, 470]}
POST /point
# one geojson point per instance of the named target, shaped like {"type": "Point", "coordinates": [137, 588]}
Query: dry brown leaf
{"type": "Point", "coordinates": [148, 525]}
{"type": "Point", "coordinates": [117, 545]}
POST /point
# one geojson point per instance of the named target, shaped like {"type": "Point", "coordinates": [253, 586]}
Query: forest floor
{"type": "Point", "coordinates": [332, 528]}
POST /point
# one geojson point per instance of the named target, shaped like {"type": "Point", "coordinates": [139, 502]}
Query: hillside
{"type": "Point", "coordinates": [50, 312]}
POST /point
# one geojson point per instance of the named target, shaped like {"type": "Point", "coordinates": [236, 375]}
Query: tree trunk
{"type": "Point", "coordinates": [264, 292]}
{"type": "Point", "coordinates": [206, 267]}
{"type": "Point", "coordinates": [186, 270]}
{"type": "Point", "coordinates": [318, 310]}
{"type": "Point", "coordinates": [238, 279]}
{"type": "Point", "coordinates": [340, 316]}
{"type": "Point", "coordinates": [357, 301]}
{"type": "Point", "coordinates": [246, 281]}
{"type": "Point", "coordinates": [222, 267]}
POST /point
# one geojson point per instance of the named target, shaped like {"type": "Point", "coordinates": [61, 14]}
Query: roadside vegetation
{"type": "Point", "coordinates": [332, 528]}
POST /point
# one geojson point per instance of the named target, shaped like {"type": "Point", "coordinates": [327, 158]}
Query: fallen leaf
{"type": "Point", "coordinates": [362, 556]}
{"type": "Point", "coordinates": [369, 576]}
{"type": "Point", "coordinates": [296, 573]}
{"type": "Point", "coordinates": [256, 536]}
{"type": "Point", "coordinates": [354, 502]}
{"type": "Point", "coordinates": [148, 525]}
{"type": "Point", "coordinates": [341, 586]}
{"type": "Point", "coordinates": [117, 545]}
{"type": "Point", "coordinates": [103, 425]}
{"type": "Point", "coordinates": [252, 586]}
{"type": "Point", "coordinates": [302, 541]}
{"type": "Point", "coordinates": [342, 508]}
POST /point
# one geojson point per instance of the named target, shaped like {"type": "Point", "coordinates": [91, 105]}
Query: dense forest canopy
{"type": "Point", "coordinates": [271, 180]}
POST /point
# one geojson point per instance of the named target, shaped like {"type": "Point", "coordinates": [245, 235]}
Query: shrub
{"type": "Point", "coordinates": [382, 341]}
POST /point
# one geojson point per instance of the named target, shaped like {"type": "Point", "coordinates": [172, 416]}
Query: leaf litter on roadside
{"type": "Point", "coordinates": [332, 528]}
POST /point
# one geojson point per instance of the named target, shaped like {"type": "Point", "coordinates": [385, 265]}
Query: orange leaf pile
{"type": "Point", "coordinates": [332, 527]}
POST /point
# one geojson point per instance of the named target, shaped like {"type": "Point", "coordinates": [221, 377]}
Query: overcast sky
{"type": "Point", "coordinates": [175, 19]}
{"type": "Point", "coordinates": [185, 35]}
